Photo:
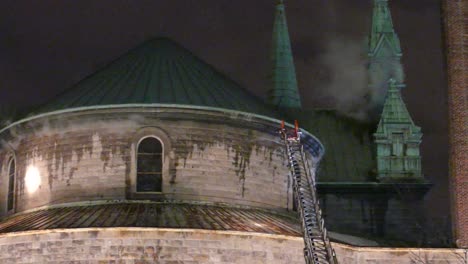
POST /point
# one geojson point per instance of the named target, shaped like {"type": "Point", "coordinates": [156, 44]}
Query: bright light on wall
{"type": "Point", "coordinates": [32, 179]}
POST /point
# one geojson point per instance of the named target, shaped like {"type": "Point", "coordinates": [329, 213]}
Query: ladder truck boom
{"type": "Point", "coordinates": [317, 248]}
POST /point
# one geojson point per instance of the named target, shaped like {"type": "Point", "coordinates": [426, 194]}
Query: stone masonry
{"type": "Point", "coordinates": [151, 245]}
{"type": "Point", "coordinates": [92, 156]}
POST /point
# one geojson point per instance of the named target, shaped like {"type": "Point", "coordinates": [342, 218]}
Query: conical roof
{"type": "Point", "coordinates": [159, 72]}
{"type": "Point", "coordinates": [284, 92]}
{"type": "Point", "coordinates": [394, 110]}
{"type": "Point", "coordinates": [383, 37]}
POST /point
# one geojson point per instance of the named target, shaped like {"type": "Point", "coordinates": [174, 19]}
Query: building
{"type": "Point", "coordinates": [455, 18]}
{"type": "Point", "coordinates": [158, 157]}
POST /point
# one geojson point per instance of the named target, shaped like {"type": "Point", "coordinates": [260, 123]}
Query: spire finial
{"type": "Point", "coordinates": [284, 91]}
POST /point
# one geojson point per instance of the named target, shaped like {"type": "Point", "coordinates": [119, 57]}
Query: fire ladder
{"type": "Point", "coordinates": [317, 249]}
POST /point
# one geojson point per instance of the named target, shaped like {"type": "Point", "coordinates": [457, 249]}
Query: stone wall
{"type": "Point", "coordinates": [383, 218]}
{"type": "Point", "coordinates": [138, 245]}
{"type": "Point", "coordinates": [91, 155]}
{"type": "Point", "coordinates": [456, 25]}
{"type": "Point", "coordinates": [352, 255]}
{"type": "Point", "coordinates": [148, 245]}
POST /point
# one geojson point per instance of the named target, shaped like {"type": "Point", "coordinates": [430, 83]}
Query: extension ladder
{"type": "Point", "coordinates": [317, 249]}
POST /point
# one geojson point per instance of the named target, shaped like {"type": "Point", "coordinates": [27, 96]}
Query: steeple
{"type": "Point", "coordinates": [384, 52]}
{"type": "Point", "coordinates": [397, 139]}
{"type": "Point", "coordinates": [382, 30]}
{"type": "Point", "coordinates": [284, 93]}
{"type": "Point", "coordinates": [394, 110]}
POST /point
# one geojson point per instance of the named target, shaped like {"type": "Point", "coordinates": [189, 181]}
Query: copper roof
{"type": "Point", "coordinates": [163, 215]}
{"type": "Point", "coordinates": [159, 71]}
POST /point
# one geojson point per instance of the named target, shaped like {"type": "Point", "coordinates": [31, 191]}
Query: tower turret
{"type": "Point", "coordinates": [384, 52]}
{"type": "Point", "coordinates": [397, 139]}
{"type": "Point", "coordinates": [284, 92]}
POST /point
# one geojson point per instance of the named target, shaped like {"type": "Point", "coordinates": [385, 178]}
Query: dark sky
{"type": "Point", "coordinates": [46, 46]}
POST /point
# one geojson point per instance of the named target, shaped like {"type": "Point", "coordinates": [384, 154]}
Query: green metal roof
{"type": "Point", "coordinates": [159, 72]}
{"type": "Point", "coordinates": [284, 92]}
{"type": "Point", "coordinates": [348, 145]}
{"type": "Point", "coordinates": [394, 110]}
{"type": "Point", "coordinates": [384, 53]}
{"type": "Point", "coordinates": [382, 32]}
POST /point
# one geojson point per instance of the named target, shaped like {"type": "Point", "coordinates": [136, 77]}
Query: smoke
{"type": "Point", "coordinates": [356, 89]}
{"type": "Point", "coordinates": [346, 81]}
{"type": "Point", "coordinates": [380, 72]}
{"type": "Point", "coordinates": [61, 126]}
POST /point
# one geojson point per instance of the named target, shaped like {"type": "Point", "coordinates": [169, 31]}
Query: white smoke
{"type": "Point", "coordinates": [353, 90]}
{"type": "Point", "coordinates": [347, 82]}
{"type": "Point", "coordinates": [382, 72]}
{"type": "Point", "coordinates": [62, 125]}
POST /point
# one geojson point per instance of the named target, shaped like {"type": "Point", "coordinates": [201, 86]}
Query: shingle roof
{"type": "Point", "coordinates": [152, 214]}
{"type": "Point", "coordinates": [159, 72]}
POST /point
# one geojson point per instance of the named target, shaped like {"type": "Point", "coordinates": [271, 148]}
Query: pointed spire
{"type": "Point", "coordinates": [382, 30]}
{"type": "Point", "coordinates": [284, 92]}
{"type": "Point", "coordinates": [397, 140]}
{"type": "Point", "coordinates": [394, 110]}
{"type": "Point", "coordinates": [384, 53]}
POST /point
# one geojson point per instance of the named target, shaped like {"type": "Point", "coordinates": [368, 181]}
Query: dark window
{"type": "Point", "coordinates": [11, 183]}
{"type": "Point", "coordinates": [149, 165]}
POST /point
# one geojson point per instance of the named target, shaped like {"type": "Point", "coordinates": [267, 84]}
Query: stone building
{"type": "Point", "coordinates": [158, 157]}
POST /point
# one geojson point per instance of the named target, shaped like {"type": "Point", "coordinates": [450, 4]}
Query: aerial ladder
{"type": "Point", "coordinates": [317, 249]}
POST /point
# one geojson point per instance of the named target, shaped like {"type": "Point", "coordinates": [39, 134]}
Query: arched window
{"type": "Point", "coordinates": [11, 183]}
{"type": "Point", "coordinates": [149, 165]}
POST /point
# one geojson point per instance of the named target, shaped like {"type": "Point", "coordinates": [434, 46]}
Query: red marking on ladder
{"type": "Point", "coordinates": [296, 128]}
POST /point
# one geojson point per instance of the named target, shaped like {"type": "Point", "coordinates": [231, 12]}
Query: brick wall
{"type": "Point", "coordinates": [149, 245]}
{"type": "Point", "coordinates": [208, 156]}
{"type": "Point", "coordinates": [456, 24]}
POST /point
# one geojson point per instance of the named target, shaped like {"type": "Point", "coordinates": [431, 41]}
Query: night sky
{"type": "Point", "coordinates": [47, 46]}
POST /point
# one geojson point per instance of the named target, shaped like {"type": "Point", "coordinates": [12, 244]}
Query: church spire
{"type": "Point", "coordinates": [397, 140]}
{"type": "Point", "coordinates": [384, 52]}
{"type": "Point", "coordinates": [394, 110]}
{"type": "Point", "coordinates": [382, 27]}
{"type": "Point", "coordinates": [284, 92]}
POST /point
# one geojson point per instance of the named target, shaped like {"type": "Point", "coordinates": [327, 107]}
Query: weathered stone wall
{"type": "Point", "coordinates": [149, 245]}
{"type": "Point", "coordinates": [376, 216]}
{"type": "Point", "coordinates": [91, 155]}
{"type": "Point", "coordinates": [352, 255]}
{"type": "Point", "coordinates": [138, 245]}
{"type": "Point", "coordinates": [456, 27]}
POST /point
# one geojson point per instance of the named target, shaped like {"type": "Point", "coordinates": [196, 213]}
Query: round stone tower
{"type": "Point", "coordinates": [155, 157]}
